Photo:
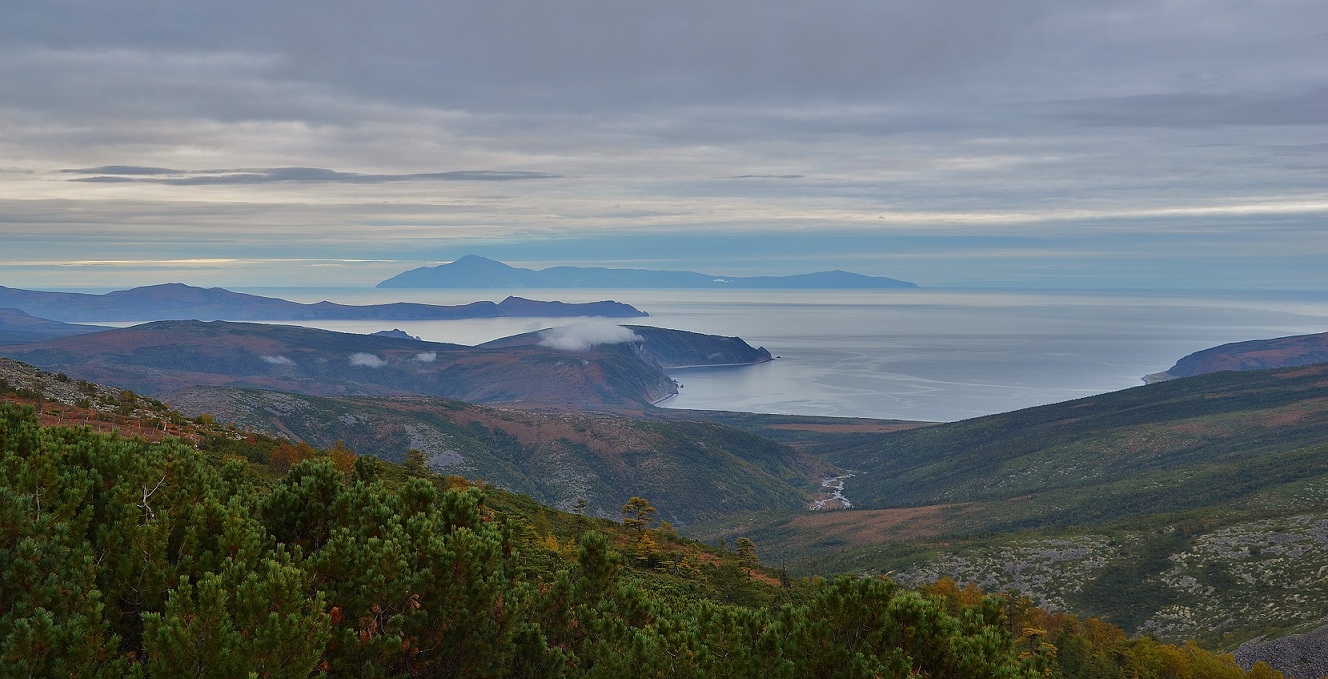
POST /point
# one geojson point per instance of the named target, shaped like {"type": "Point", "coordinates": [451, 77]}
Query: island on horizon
{"type": "Point", "coordinates": [475, 272]}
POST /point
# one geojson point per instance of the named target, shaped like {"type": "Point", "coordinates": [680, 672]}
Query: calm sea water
{"type": "Point", "coordinates": [937, 355]}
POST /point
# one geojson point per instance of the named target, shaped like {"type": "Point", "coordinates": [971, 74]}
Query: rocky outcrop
{"type": "Point", "coordinates": [1298, 656]}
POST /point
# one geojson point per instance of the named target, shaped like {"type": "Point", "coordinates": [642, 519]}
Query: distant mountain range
{"type": "Point", "coordinates": [594, 365]}
{"type": "Point", "coordinates": [176, 301]}
{"type": "Point", "coordinates": [477, 272]}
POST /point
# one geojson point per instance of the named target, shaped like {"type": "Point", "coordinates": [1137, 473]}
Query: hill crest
{"type": "Point", "coordinates": [177, 301]}
{"type": "Point", "coordinates": [164, 356]}
{"type": "Point", "coordinates": [1263, 354]}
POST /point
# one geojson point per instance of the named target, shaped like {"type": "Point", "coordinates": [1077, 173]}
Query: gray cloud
{"type": "Point", "coordinates": [250, 59]}
{"type": "Point", "coordinates": [1200, 109]}
{"type": "Point", "coordinates": [751, 121]}
{"type": "Point", "coordinates": [132, 174]}
{"type": "Point", "coordinates": [131, 170]}
{"type": "Point", "coordinates": [587, 51]}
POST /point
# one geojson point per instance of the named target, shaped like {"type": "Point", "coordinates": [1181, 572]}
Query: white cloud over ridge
{"type": "Point", "coordinates": [584, 335]}
{"type": "Point", "coordinates": [426, 356]}
{"type": "Point", "coordinates": [366, 360]}
{"type": "Point", "coordinates": [277, 360]}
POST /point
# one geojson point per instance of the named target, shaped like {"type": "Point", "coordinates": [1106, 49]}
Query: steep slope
{"type": "Point", "coordinates": [1172, 446]}
{"type": "Point", "coordinates": [1223, 576]}
{"type": "Point", "coordinates": [689, 470]}
{"type": "Point", "coordinates": [347, 567]}
{"type": "Point", "coordinates": [476, 272]}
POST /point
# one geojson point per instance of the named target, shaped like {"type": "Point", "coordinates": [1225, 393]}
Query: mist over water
{"type": "Point", "coordinates": [939, 355]}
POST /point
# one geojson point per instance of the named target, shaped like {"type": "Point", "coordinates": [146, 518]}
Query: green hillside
{"type": "Point", "coordinates": [1198, 512]}
{"type": "Point", "coordinates": [1228, 439]}
{"type": "Point", "coordinates": [1192, 508]}
{"type": "Point", "coordinates": [125, 558]}
{"type": "Point", "coordinates": [692, 469]}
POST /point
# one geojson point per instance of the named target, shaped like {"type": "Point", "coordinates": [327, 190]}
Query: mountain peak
{"type": "Point", "coordinates": [470, 271]}
{"type": "Point", "coordinates": [476, 261]}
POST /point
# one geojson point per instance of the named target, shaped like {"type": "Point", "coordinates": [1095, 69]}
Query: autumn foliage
{"type": "Point", "coordinates": [129, 558]}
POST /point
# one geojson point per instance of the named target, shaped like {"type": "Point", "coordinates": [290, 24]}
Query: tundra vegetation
{"type": "Point", "coordinates": [241, 555]}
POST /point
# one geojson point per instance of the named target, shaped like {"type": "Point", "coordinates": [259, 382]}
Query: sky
{"type": "Point", "coordinates": [1164, 144]}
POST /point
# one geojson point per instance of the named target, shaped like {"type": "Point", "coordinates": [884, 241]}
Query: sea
{"type": "Point", "coordinates": [930, 355]}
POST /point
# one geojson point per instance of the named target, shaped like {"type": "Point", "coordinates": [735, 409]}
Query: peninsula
{"type": "Point", "coordinates": [176, 301]}
{"type": "Point", "coordinates": [1262, 354]}
{"type": "Point", "coordinates": [593, 365]}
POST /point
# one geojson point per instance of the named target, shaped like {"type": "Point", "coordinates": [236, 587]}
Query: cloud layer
{"type": "Point", "coordinates": [366, 360]}
{"type": "Point", "coordinates": [587, 334]}
{"type": "Point", "coordinates": [120, 174]}
{"type": "Point", "coordinates": [371, 139]}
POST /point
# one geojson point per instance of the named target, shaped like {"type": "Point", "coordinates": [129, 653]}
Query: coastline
{"type": "Point", "coordinates": [715, 365]}
{"type": "Point", "coordinates": [704, 365]}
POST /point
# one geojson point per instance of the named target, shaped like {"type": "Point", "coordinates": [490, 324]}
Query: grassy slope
{"type": "Point", "coordinates": [1187, 508]}
{"type": "Point", "coordinates": [1190, 508]}
{"type": "Point", "coordinates": [690, 469]}
{"type": "Point", "coordinates": [678, 608]}
{"type": "Point", "coordinates": [1173, 446]}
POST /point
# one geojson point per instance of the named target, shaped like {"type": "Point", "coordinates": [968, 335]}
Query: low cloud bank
{"type": "Point", "coordinates": [367, 360]}
{"type": "Point", "coordinates": [277, 360]}
{"type": "Point", "coordinates": [582, 336]}
{"type": "Point", "coordinates": [126, 174]}
{"type": "Point", "coordinates": [426, 356]}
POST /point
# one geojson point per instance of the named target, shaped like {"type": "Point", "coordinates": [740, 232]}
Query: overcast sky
{"type": "Point", "coordinates": [1022, 143]}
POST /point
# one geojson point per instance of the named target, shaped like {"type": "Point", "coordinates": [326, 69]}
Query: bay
{"type": "Point", "coordinates": [935, 355]}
